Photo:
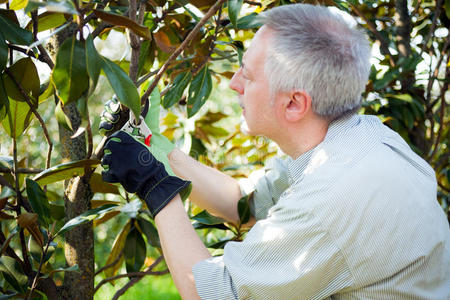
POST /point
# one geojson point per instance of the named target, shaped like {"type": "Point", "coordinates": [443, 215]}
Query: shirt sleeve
{"type": "Point", "coordinates": [285, 256]}
{"type": "Point", "coordinates": [267, 185]}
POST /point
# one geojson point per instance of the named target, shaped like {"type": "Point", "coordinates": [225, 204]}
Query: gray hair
{"type": "Point", "coordinates": [316, 50]}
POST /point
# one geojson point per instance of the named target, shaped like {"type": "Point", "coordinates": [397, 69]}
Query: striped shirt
{"type": "Point", "coordinates": [354, 218]}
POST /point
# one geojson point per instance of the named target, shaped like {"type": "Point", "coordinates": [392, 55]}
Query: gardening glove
{"type": "Point", "coordinates": [160, 145]}
{"type": "Point", "coordinates": [129, 162]}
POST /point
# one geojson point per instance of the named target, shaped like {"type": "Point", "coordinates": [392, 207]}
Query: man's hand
{"type": "Point", "coordinates": [160, 146]}
{"type": "Point", "coordinates": [129, 162]}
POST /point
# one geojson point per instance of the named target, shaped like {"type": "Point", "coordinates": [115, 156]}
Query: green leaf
{"type": "Point", "coordinates": [73, 268]}
{"type": "Point", "coordinates": [57, 212]}
{"type": "Point", "coordinates": [100, 186]}
{"type": "Point", "coordinates": [116, 250]}
{"type": "Point", "coordinates": [7, 296]}
{"type": "Point", "coordinates": [85, 217]}
{"type": "Point", "coordinates": [150, 232]}
{"type": "Point", "coordinates": [4, 102]}
{"type": "Point", "coordinates": [47, 93]}
{"type": "Point", "coordinates": [122, 21]}
{"type": "Point", "coordinates": [199, 91]}
{"type": "Point", "coordinates": [13, 273]}
{"type": "Point", "coordinates": [93, 63]}
{"type": "Point", "coordinates": [39, 202]}
{"type": "Point", "coordinates": [13, 32]}
{"type": "Point", "coordinates": [205, 218]}
{"type": "Point", "coordinates": [248, 22]}
{"type": "Point", "coordinates": [65, 171]}
{"type": "Point", "coordinates": [62, 118]}
{"type": "Point", "coordinates": [152, 118]}
{"type": "Point", "coordinates": [122, 85]}
{"type": "Point", "coordinates": [220, 244]}
{"type": "Point", "coordinates": [135, 251]}
{"type": "Point", "coordinates": [244, 209]}
{"type": "Point", "coordinates": [18, 4]}
{"type": "Point", "coordinates": [234, 7]}
{"type": "Point", "coordinates": [3, 53]}
{"type": "Point", "coordinates": [132, 208]}
{"type": "Point", "coordinates": [63, 6]}
{"type": "Point", "coordinates": [23, 72]}
{"type": "Point", "coordinates": [19, 117]}
{"type": "Point", "coordinates": [174, 94]}
{"type": "Point", "coordinates": [36, 250]}
{"type": "Point", "coordinates": [47, 20]}
{"type": "Point", "coordinates": [69, 74]}
{"type": "Point", "coordinates": [198, 225]}
{"type": "Point", "coordinates": [239, 47]}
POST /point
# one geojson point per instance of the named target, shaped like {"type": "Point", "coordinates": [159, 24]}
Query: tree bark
{"type": "Point", "coordinates": [79, 242]}
{"type": "Point", "coordinates": [403, 26]}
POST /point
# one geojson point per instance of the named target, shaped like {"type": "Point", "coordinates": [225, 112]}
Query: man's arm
{"type": "Point", "coordinates": [181, 246]}
{"type": "Point", "coordinates": [212, 190]}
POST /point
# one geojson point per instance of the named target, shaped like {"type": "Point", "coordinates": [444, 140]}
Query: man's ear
{"type": "Point", "coordinates": [299, 103]}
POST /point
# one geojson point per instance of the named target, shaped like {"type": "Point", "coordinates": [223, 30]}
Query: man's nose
{"type": "Point", "coordinates": [236, 83]}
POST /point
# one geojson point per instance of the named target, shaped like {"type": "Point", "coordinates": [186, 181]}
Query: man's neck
{"type": "Point", "coordinates": [303, 137]}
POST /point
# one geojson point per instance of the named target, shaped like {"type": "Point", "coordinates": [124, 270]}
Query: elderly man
{"type": "Point", "coordinates": [351, 215]}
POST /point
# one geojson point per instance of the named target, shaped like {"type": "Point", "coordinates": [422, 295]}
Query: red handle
{"type": "Point", "coordinates": [147, 140]}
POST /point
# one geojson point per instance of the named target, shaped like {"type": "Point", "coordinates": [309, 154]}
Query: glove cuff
{"type": "Point", "coordinates": [158, 195]}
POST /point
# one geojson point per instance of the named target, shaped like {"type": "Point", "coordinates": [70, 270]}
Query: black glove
{"type": "Point", "coordinates": [130, 163]}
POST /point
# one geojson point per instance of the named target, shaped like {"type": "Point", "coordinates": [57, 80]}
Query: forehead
{"type": "Point", "coordinates": [257, 51]}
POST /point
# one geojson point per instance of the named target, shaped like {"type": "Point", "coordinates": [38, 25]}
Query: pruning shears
{"type": "Point", "coordinates": [139, 129]}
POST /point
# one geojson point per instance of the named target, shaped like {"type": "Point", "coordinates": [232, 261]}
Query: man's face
{"type": "Point", "coordinates": [252, 86]}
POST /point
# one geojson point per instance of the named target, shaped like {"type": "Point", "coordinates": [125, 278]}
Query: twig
{"type": "Point", "coordinates": [109, 265]}
{"type": "Point", "coordinates": [134, 280]}
{"type": "Point", "coordinates": [437, 12]}
{"type": "Point", "coordinates": [26, 259]}
{"type": "Point", "coordinates": [135, 43]}
{"type": "Point", "coordinates": [34, 19]}
{"type": "Point", "coordinates": [373, 29]}
{"type": "Point", "coordinates": [21, 170]}
{"type": "Point", "coordinates": [43, 56]}
{"type": "Point", "coordinates": [444, 89]}
{"type": "Point", "coordinates": [33, 109]}
{"type": "Point", "coordinates": [145, 77]}
{"type": "Point", "coordinates": [44, 254]}
{"type": "Point", "coordinates": [253, 3]}
{"type": "Point", "coordinates": [211, 46]}
{"type": "Point", "coordinates": [148, 271]}
{"type": "Point", "coordinates": [102, 26]}
{"type": "Point", "coordinates": [182, 46]}
{"type": "Point", "coordinates": [9, 251]}
{"type": "Point", "coordinates": [89, 134]}
{"type": "Point", "coordinates": [434, 74]}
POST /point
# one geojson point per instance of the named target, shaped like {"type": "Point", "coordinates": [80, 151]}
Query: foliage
{"type": "Point", "coordinates": [192, 47]}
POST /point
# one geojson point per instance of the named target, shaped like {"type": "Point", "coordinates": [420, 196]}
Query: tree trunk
{"type": "Point", "coordinates": [403, 26]}
{"type": "Point", "coordinates": [79, 242]}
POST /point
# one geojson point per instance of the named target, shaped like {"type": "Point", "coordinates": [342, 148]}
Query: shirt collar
{"type": "Point", "coordinates": [297, 167]}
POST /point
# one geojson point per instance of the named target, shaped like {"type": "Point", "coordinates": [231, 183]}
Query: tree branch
{"type": "Point", "coordinates": [44, 254]}
{"type": "Point", "coordinates": [33, 109]}
{"type": "Point", "coordinates": [109, 265]}
{"type": "Point", "coordinates": [437, 12]}
{"type": "Point", "coordinates": [444, 89]}
{"type": "Point", "coordinates": [21, 170]}
{"type": "Point", "coordinates": [134, 280]}
{"type": "Point", "coordinates": [182, 46]}
{"type": "Point", "coordinates": [134, 42]}
{"type": "Point", "coordinates": [384, 45]}
{"type": "Point", "coordinates": [139, 275]}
